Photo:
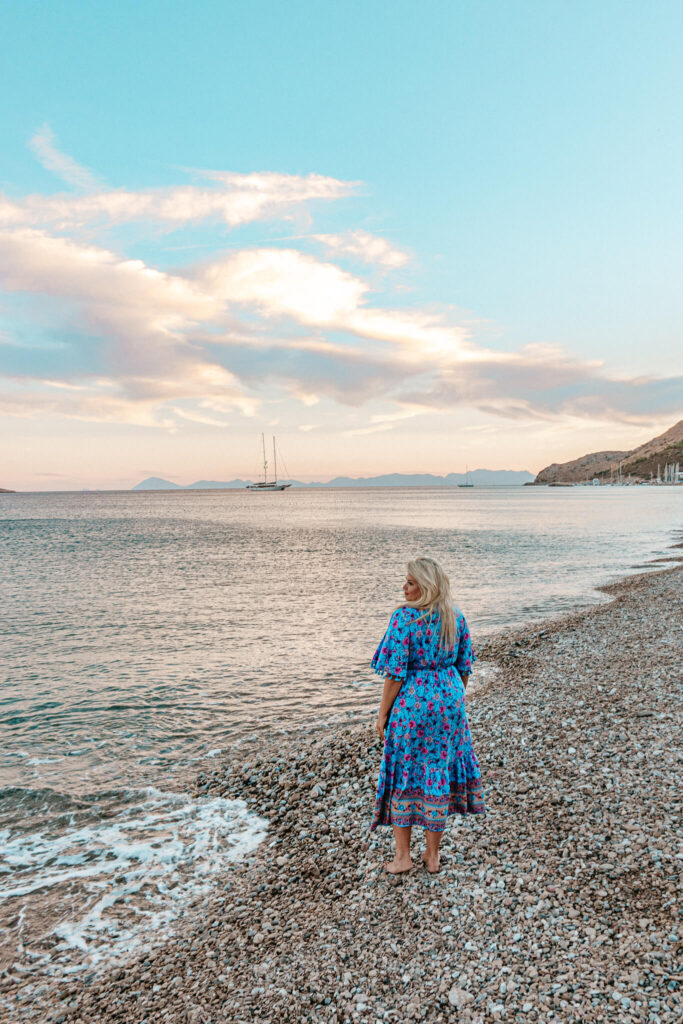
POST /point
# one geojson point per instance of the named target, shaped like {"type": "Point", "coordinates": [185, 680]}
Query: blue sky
{"type": "Point", "coordinates": [465, 246]}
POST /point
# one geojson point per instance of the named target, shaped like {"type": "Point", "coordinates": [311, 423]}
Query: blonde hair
{"type": "Point", "coordinates": [435, 596]}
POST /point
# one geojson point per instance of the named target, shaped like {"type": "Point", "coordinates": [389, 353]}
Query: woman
{"type": "Point", "coordinates": [429, 769]}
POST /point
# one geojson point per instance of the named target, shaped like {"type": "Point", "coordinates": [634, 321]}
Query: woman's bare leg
{"type": "Point", "coordinates": [401, 861]}
{"type": "Point", "coordinates": [431, 856]}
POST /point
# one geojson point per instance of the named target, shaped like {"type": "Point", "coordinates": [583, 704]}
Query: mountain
{"type": "Point", "coordinates": [155, 483]}
{"type": "Point", "coordinates": [640, 463]}
{"type": "Point", "coordinates": [5, 490]}
{"type": "Point", "coordinates": [214, 485]}
{"type": "Point", "coordinates": [482, 477]}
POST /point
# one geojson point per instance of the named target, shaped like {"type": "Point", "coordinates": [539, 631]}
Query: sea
{"type": "Point", "coordinates": [145, 634]}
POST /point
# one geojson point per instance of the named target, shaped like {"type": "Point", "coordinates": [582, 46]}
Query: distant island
{"type": "Point", "coordinates": [6, 490]}
{"type": "Point", "coordinates": [480, 477]}
{"type": "Point", "coordinates": [642, 463]}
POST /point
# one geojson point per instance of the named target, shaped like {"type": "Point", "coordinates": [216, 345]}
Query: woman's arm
{"type": "Point", "coordinates": [465, 676]}
{"type": "Point", "coordinates": [389, 694]}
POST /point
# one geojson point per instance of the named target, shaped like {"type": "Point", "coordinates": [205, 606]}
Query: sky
{"type": "Point", "coordinates": [402, 237]}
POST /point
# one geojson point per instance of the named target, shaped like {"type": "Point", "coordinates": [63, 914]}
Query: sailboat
{"type": "Point", "coordinates": [468, 482]}
{"type": "Point", "coordinates": [266, 484]}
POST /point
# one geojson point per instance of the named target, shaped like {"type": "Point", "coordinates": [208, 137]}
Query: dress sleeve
{"type": "Point", "coordinates": [391, 657]}
{"type": "Point", "coordinates": [466, 656]}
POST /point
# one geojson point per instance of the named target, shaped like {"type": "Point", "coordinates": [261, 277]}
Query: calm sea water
{"type": "Point", "coordinates": [142, 633]}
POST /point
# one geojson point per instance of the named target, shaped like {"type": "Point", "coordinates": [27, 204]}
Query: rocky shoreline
{"type": "Point", "coordinates": [563, 904]}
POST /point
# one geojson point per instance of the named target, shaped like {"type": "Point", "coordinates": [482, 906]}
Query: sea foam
{"type": "Point", "coordinates": [116, 873]}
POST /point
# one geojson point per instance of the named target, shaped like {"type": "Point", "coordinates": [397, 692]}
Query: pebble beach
{"type": "Point", "coordinates": [562, 904]}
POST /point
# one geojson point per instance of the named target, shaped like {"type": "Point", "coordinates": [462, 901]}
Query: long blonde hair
{"type": "Point", "coordinates": [435, 596]}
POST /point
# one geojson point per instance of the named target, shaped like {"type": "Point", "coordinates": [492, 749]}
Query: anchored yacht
{"type": "Point", "coordinates": [266, 484]}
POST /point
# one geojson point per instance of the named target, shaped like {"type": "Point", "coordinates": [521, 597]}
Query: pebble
{"type": "Point", "coordinates": [459, 997]}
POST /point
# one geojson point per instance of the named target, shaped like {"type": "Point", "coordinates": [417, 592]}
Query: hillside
{"type": "Point", "coordinates": [640, 463]}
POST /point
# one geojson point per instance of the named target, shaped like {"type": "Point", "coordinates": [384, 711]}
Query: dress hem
{"type": "Point", "coordinates": [408, 807]}
{"type": "Point", "coordinates": [419, 821]}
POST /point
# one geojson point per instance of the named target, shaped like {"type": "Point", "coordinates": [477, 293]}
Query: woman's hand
{"type": "Point", "coordinates": [381, 722]}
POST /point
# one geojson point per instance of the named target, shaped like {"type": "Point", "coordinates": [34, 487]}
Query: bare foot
{"type": "Point", "coordinates": [431, 863]}
{"type": "Point", "coordinates": [398, 866]}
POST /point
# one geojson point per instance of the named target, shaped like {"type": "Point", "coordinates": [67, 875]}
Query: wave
{"type": "Point", "coordinates": [108, 871]}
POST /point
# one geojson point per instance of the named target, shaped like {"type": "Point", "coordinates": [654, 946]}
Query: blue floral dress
{"type": "Point", "coordinates": [429, 769]}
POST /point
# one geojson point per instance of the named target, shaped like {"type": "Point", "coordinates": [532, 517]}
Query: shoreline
{"type": "Point", "coordinates": [560, 905]}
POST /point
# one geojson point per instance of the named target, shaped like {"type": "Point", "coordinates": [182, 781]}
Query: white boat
{"type": "Point", "coordinates": [266, 484]}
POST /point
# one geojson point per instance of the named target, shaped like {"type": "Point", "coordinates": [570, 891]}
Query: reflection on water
{"type": "Point", "coordinates": [150, 628]}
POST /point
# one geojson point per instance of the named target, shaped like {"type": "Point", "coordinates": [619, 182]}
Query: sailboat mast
{"type": "Point", "coordinates": [265, 461]}
{"type": "Point", "coordinates": [274, 460]}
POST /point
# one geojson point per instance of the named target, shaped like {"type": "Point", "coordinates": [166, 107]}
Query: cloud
{"type": "Point", "coordinates": [232, 199]}
{"type": "Point", "coordinates": [288, 283]}
{"type": "Point", "coordinates": [544, 385]}
{"type": "Point", "coordinates": [35, 261]}
{"type": "Point", "coordinates": [285, 282]}
{"type": "Point", "coordinates": [382, 422]}
{"type": "Point", "coordinates": [121, 402]}
{"type": "Point", "coordinates": [152, 325]}
{"type": "Point", "coordinates": [142, 317]}
{"type": "Point", "coordinates": [140, 314]}
{"type": "Point", "coordinates": [364, 247]}
{"type": "Point", "coordinates": [198, 417]}
{"type": "Point", "coordinates": [45, 148]}
{"type": "Point", "coordinates": [201, 343]}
